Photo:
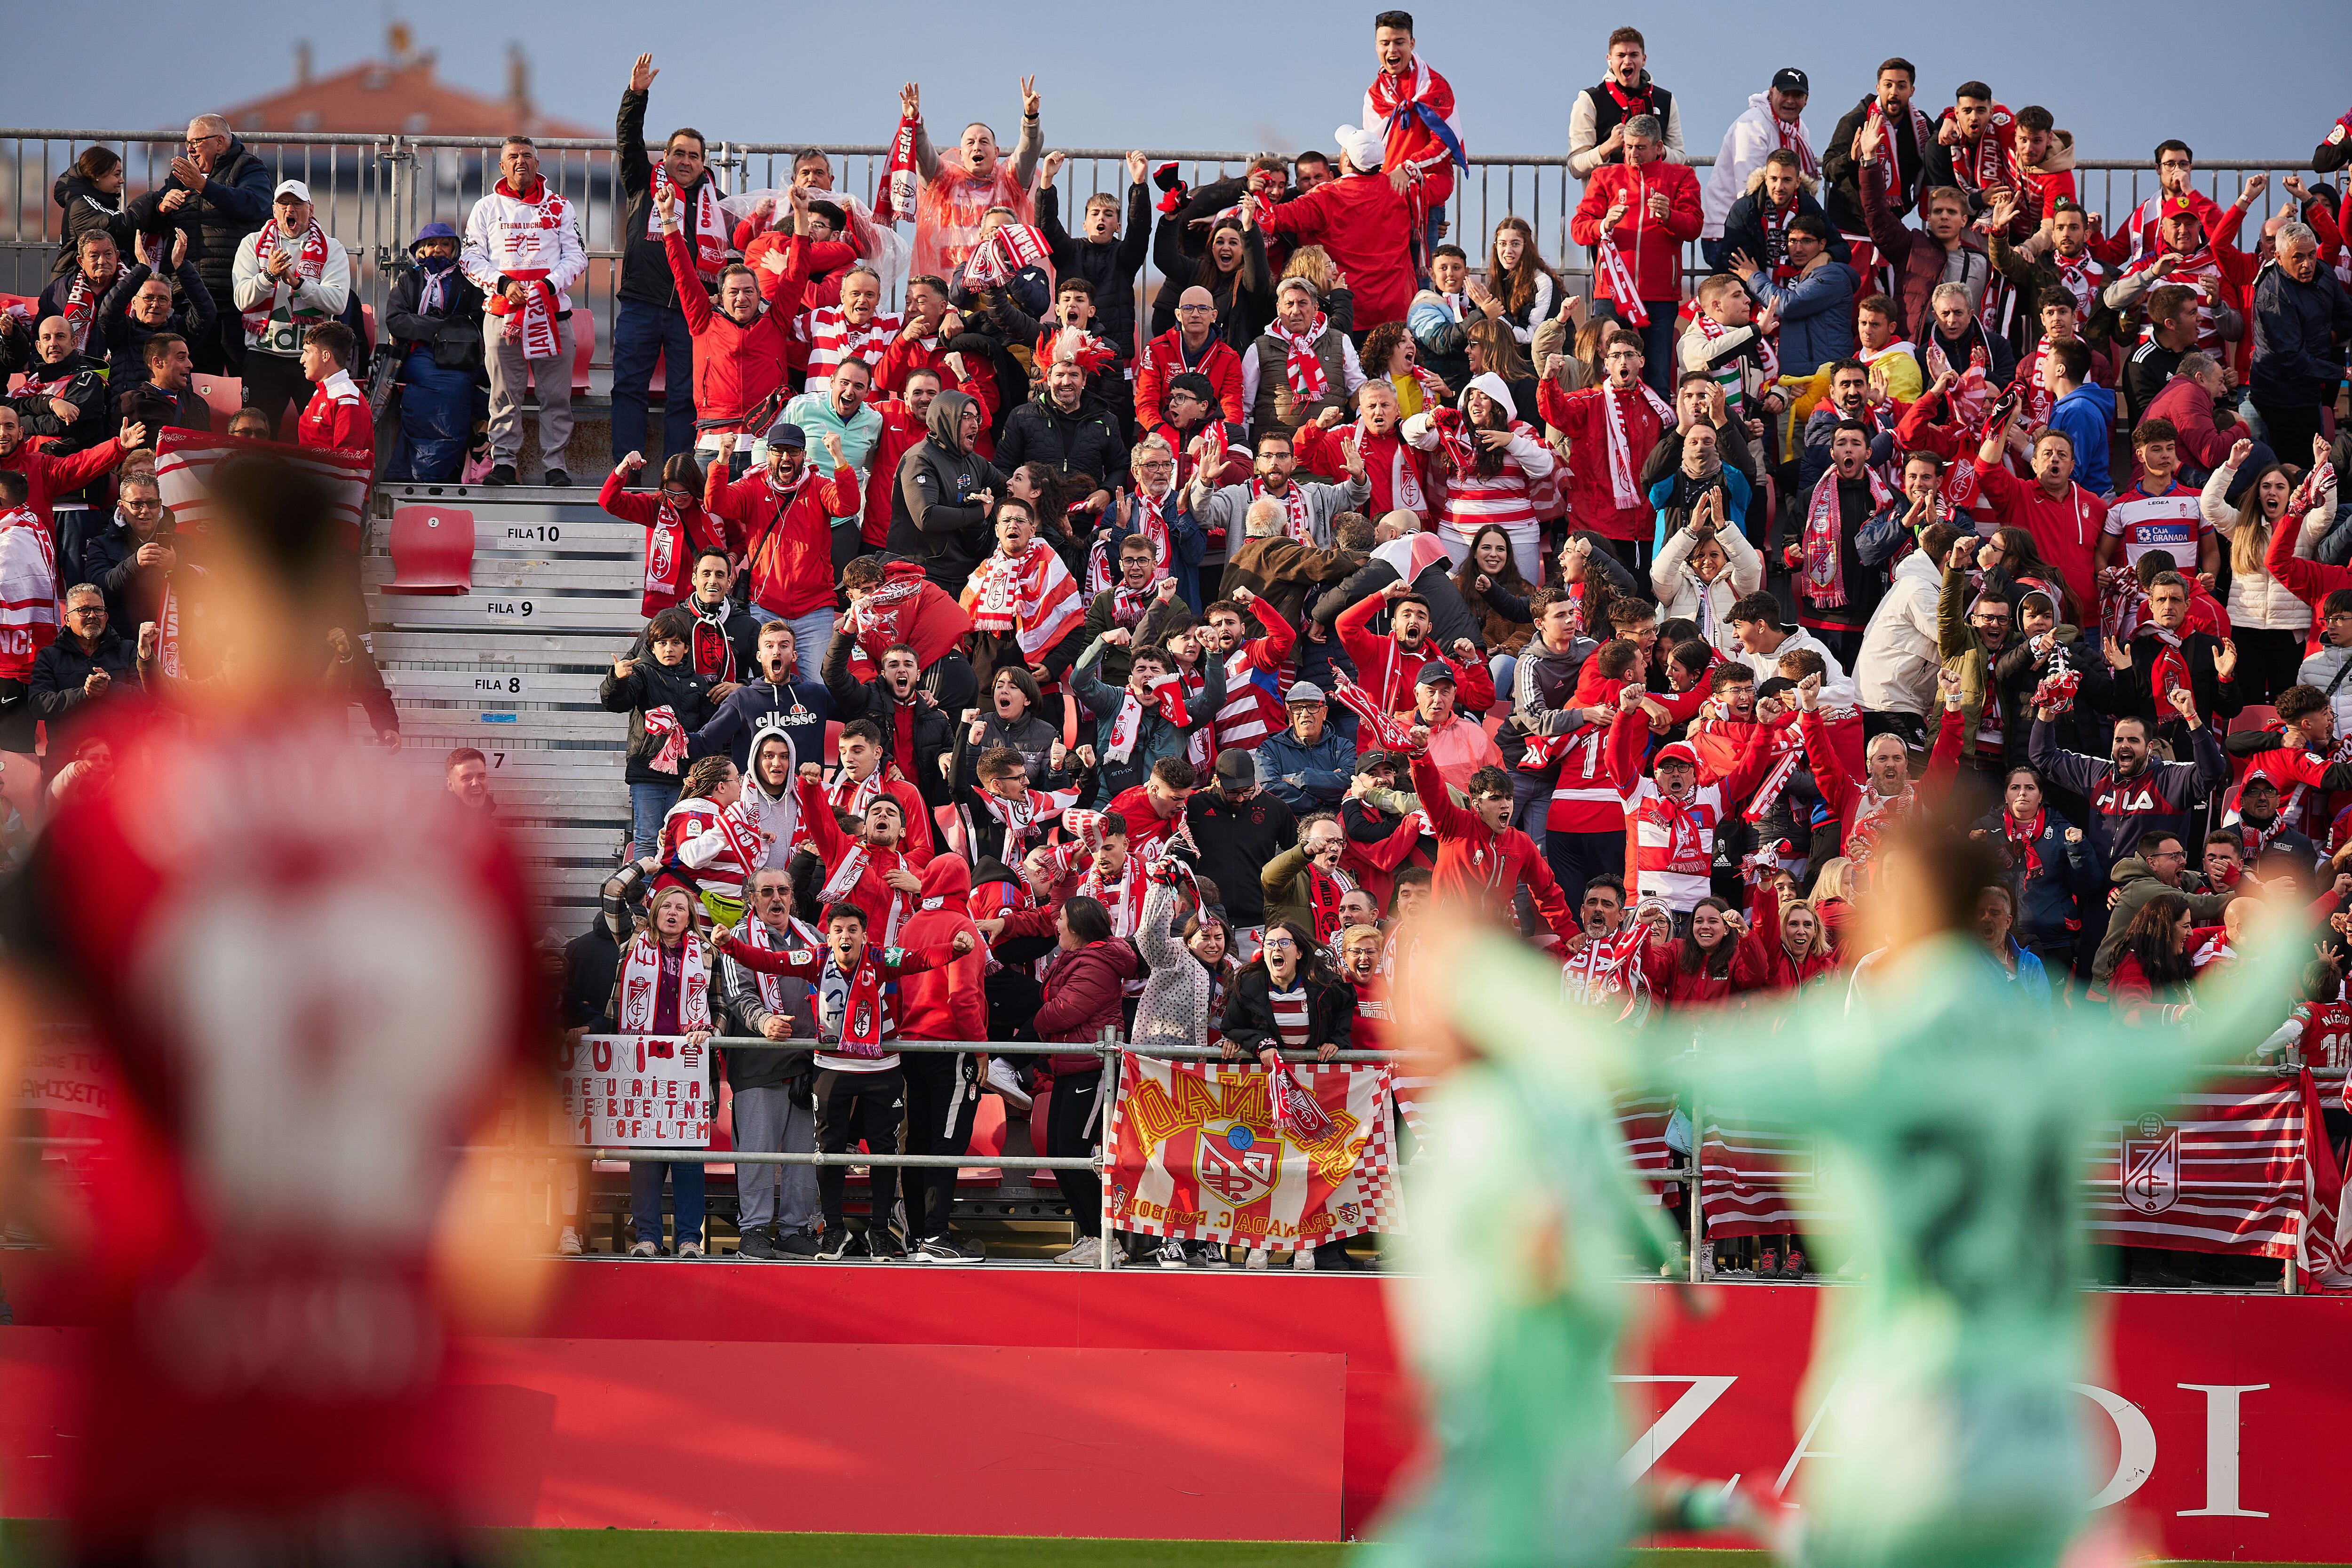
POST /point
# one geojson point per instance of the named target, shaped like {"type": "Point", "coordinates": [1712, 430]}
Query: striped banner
{"type": "Point", "coordinates": [184, 460]}
{"type": "Point", "coordinates": [2220, 1169]}
{"type": "Point", "coordinates": [1756, 1178]}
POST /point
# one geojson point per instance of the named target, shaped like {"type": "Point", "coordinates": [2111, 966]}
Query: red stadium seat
{"type": "Point", "coordinates": [432, 550]}
{"type": "Point", "coordinates": [369, 336]}
{"type": "Point", "coordinates": [987, 1142]}
{"type": "Point", "coordinates": [224, 395]}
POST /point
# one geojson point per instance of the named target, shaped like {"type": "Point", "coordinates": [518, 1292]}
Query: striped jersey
{"type": "Point", "coordinates": [2171, 522]}
{"type": "Point", "coordinates": [830, 338]}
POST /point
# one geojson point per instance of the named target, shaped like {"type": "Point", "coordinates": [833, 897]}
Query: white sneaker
{"type": "Point", "coordinates": [1171, 1254]}
{"type": "Point", "coordinates": [643, 1249]}
{"type": "Point", "coordinates": [1213, 1254]}
{"type": "Point", "coordinates": [689, 1249]}
{"type": "Point", "coordinates": [1087, 1254]}
{"type": "Point", "coordinates": [568, 1244]}
{"type": "Point", "coordinates": [1004, 1080]}
{"type": "Point", "coordinates": [1303, 1260]}
{"type": "Point", "coordinates": [1256, 1258]}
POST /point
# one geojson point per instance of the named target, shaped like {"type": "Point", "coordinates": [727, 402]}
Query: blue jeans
{"type": "Point", "coordinates": [1657, 342]}
{"type": "Point", "coordinates": [641, 334]}
{"type": "Point", "coordinates": [648, 804]}
{"type": "Point", "coordinates": [1503, 667]}
{"type": "Point", "coordinates": [646, 1197]}
{"type": "Point", "coordinates": [437, 409]}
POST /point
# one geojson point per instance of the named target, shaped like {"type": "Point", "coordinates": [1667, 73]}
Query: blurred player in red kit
{"type": "Point", "coordinates": [317, 982]}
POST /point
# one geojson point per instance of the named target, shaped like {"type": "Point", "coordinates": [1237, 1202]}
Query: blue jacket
{"type": "Point", "coordinates": [2087, 415]}
{"type": "Point", "coordinates": [2299, 334]}
{"type": "Point", "coordinates": [1736, 497]}
{"type": "Point", "coordinates": [2032, 980]}
{"type": "Point", "coordinates": [1816, 315]}
{"type": "Point", "coordinates": [2047, 909]}
{"type": "Point", "coordinates": [800, 710]}
{"type": "Point", "coordinates": [1323, 770]}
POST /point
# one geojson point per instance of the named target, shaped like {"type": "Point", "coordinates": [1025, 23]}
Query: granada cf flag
{"type": "Point", "coordinates": [1756, 1179]}
{"type": "Point", "coordinates": [1197, 1154]}
{"type": "Point", "coordinates": [2218, 1170]}
{"type": "Point", "coordinates": [184, 460]}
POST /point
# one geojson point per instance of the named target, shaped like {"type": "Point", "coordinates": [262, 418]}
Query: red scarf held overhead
{"type": "Point", "coordinates": [1168, 699]}
{"type": "Point", "coordinates": [81, 308]}
{"type": "Point", "coordinates": [1824, 558]}
{"type": "Point", "coordinates": [1324, 891]}
{"type": "Point", "coordinates": [900, 176]}
{"type": "Point", "coordinates": [2022, 839]}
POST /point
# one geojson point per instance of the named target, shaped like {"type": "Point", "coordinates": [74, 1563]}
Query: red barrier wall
{"type": "Point", "coordinates": [1153, 1391]}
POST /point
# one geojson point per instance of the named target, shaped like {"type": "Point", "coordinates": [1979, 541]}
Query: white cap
{"type": "Point", "coordinates": [295, 188]}
{"type": "Point", "coordinates": [1362, 146]}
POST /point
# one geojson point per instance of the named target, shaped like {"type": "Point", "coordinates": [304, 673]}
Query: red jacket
{"type": "Point", "coordinates": [1388, 669]}
{"type": "Point", "coordinates": [2191, 408]}
{"type": "Point", "coordinates": [46, 478]}
{"type": "Point", "coordinates": [2066, 529]}
{"type": "Point", "coordinates": [1847, 795]}
{"type": "Point", "coordinates": [668, 581]}
{"type": "Point", "coordinates": [1367, 228]}
{"type": "Point", "coordinates": [822, 260]}
{"type": "Point", "coordinates": [1768, 956]}
{"type": "Point", "coordinates": [338, 416]}
{"type": "Point", "coordinates": [871, 893]}
{"type": "Point", "coordinates": [1651, 247]}
{"type": "Point", "coordinates": [1482, 867]}
{"type": "Point", "coordinates": [946, 1003]}
{"type": "Point", "coordinates": [1592, 500]}
{"type": "Point", "coordinates": [789, 537]}
{"type": "Point", "coordinates": [1086, 993]}
{"type": "Point", "coordinates": [737, 368]}
{"type": "Point", "coordinates": [1662, 966]}
{"type": "Point", "coordinates": [1162, 360]}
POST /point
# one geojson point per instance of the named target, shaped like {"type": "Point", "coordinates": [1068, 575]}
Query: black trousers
{"type": "Point", "coordinates": [1066, 1133]}
{"type": "Point", "coordinates": [1575, 858]}
{"type": "Point", "coordinates": [2290, 426]}
{"type": "Point", "coordinates": [851, 1106]}
{"type": "Point", "coordinates": [272, 382]}
{"type": "Point", "coordinates": [943, 1098]}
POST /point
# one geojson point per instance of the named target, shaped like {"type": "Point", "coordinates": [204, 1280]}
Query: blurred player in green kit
{"type": "Point", "coordinates": [1951, 1120]}
{"type": "Point", "coordinates": [1514, 1295]}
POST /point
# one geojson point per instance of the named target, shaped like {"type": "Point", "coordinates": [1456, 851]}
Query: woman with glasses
{"type": "Point", "coordinates": [677, 529]}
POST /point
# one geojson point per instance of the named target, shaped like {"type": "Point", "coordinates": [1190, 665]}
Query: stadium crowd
{"type": "Point", "coordinates": [1173, 656]}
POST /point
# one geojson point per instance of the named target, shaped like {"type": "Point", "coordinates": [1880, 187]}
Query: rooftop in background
{"type": "Point", "coordinates": [398, 94]}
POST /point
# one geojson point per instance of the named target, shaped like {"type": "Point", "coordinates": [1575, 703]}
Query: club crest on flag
{"type": "Point", "coordinates": [2151, 1165]}
{"type": "Point", "coordinates": [1235, 1164]}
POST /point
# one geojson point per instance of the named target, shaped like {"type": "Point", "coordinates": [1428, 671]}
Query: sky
{"type": "Point", "coordinates": [1112, 75]}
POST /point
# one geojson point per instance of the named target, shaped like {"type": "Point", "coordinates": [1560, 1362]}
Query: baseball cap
{"type": "Point", "coordinates": [1236, 766]}
{"type": "Point", "coordinates": [784, 433]}
{"type": "Point", "coordinates": [1434, 672]}
{"type": "Point", "coordinates": [1302, 691]}
{"type": "Point", "coordinates": [1677, 752]}
{"type": "Point", "coordinates": [295, 188]}
{"type": "Point", "coordinates": [1789, 79]}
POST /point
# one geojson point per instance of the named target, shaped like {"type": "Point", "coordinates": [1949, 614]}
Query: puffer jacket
{"type": "Point", "coordinates": [233, 203]}
{"type": "Point", "coordinates": [1086, 993]}
{"type": "Point", "coordinates": [86, 207]}
{"type": "Point", "coordinates": [1680, 591]}
{"type": "Point", "coordinates": [2257, 599]}
{"type": "Point", "coordinates": [1085, 440]}
{"type": "Point", "coordinates": [652, 684]}
{"type": "Point", "coordinates": [933, 520]}
{"type": "Point", "coordinates": [947, 1003]}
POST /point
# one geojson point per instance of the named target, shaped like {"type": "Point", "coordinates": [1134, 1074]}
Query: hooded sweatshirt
{"type": "Point", "coordinates": [933, 519]}
{"type": "Point", "coordinates": [947, 1003]}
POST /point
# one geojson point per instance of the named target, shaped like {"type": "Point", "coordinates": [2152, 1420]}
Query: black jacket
{"type": "Point", "coordinates": [195, 317]}
{"type": "Point", "coordinates": [233, 203]}
{"type": "Point", "coordinates": [644, 267]}
{"type": "Point", "coordinates": [591, 961]}
{"type": "Point", "coordinates": [1236, 839]}
{"type": "Point", "coordinates": [653, 684]}
{"type": "Point", "coordinates": [1245, 300]}
{"type": "Point", "coordinates": [2300, 330]}
{"type": "Point", "coordinates": [86, 207]}
{"type": "Point", "coordinates": [1110, 266]}
{"type": "Point", "coordinates": [109, 558]}
{"type": "Point", "coordinates": [1839, 170]}
{"type": "Point", "coordinates": [59, 672]}
{"type": "Point", "coordinates": [1249, 1011]}
{"type": "Point", "coordinates": [853, 699]}
{"type": "Point", "coordinates": [85, 389]}
{"type": "Point", "coordinates": [455, 334]}
{"type": "Point", "coordinates": [1085, 442]}
{"type": "Point", "coordinates": [933, 521]}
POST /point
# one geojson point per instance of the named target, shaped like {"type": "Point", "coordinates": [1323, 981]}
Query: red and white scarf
{"type": "Point", "coordinates": [29, 592]}
{"type": "Point", "coordinates": [1986, 163]}
{"type": "Point", "coordinates": [1122, 898]}
{"type": "Point", "coordinates": [706, 235]}
{"type": "Point", "coordinates": [1768, 793]}
{"type": "Point", "coordinates": [665, 543]}
{"type": "Point", "coordinates": [874, 617]}
{"type": "Point", "coordinates": [1973, 394]}
{"type": "Point", "coordinates": [1168, 699]}
{"type": "Point", "coordinates": [533, 324]}
{"type": "Point", "coordinates": [900, 176]}
{"type": "Point", "coordinates": [1791, 134]}
{"type": "Point", "coordinates": [1890, 162]}
{"type": "Point", "coordinates": [2079, 276]}
{"type": "Point", "coordinates": [804, 948]}
{"type": "Point", "coordinates": [1686, 852]}
{"type": "Point", "coordinates": [1623, 466]}
{"type": "Point", "coordinates": [864, 1011]}
{"type": "Point", "coordinates": [1872, 816]}
{"type": "Point", "coordinates": [1824, 560]}
{"type": "Point", "coordinates": [81, 309]}
{"type": "Point", "coordinates": [1300, 365]}
{"type": "Point", "coordinates": [310, 254]}
{"type": "Point", "coordinates": [1151, 522]}
{"type": "Point", "coordinates": [1607, 967]}
{"type": "Point", "coordinates": [167, 632]}
{"type": "Point", "coordinates": [856, 857]}
{"type": "Point", "coordinates": [2022, 838]}
{"type": "Point", "coordinates": [1298, 1114]}
{"type": "Point", "coordinates": [1394, 734]}
{"type": "Point", "coordinates": [1293, 503]}
{"type": "Point", "coordinates": [2171, 669]}
{"type": "Point", "coordinates": [1026, 819]}
{"type": "Point", "coordinates": [1622, 289]}
{"type": "Point", "coordinates": [1011, 248]}
{"type": "Point", "coordinates": [641, 983]}
{"type": "Point", "coordinates": [1031, 596]}
{"type": "Point", "coordinates": [662, 725]}
{"type": "Point", "coordinates": [1324, 891]}
{"type": "Point", "coordinates": [712, 651]}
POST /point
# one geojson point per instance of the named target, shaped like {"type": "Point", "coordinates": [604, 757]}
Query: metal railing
{"type": "Point", "coordinates": [374, 191]}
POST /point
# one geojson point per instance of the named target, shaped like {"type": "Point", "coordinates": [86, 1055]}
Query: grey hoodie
{"type": "Point", "coordinates": [932, 520]}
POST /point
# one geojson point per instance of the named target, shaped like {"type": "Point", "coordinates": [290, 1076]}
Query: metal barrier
{"type": "Point", "coordinates": [374, 191]}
